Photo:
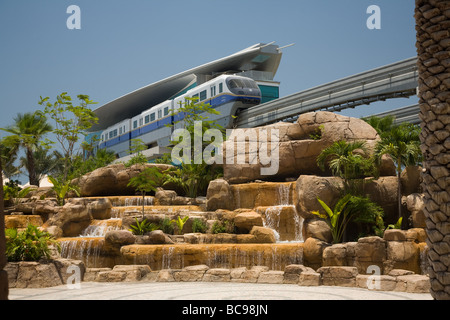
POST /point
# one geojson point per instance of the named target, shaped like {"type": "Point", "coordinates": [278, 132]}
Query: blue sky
{"type": "Point", "coordinates": [125, 45]}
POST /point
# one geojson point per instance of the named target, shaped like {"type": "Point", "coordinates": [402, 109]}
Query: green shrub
{"type": "Point", "coordinates": [166, 226]}
{"type": "Point", "coordinates": [199, 225]}
{"type": "Point", "coordinates": [31, 244]}
{"type": "Point", "coordinates": [141, 228]}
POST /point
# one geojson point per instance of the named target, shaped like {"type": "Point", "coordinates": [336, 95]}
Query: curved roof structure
{"type": "Point", "coordinates": [262, 58]}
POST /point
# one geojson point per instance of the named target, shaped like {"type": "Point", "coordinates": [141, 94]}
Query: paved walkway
{"type": "Point", "coordinates": [206, 291]}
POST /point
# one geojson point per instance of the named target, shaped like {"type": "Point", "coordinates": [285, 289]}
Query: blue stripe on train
{"type": "Point", "coordinates": [215, 102]}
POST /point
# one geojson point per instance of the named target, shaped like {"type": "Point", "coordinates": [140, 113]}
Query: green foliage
{"type": "Point", "coordinates": [381, 125]}
{"type": "Point", "coordinates": [71, 122]}
{"type": "Point", "coordinates": [27, 133]}
{"type": "Point", "coordinates": [199, 225]}
{"type": "Point", "coordinates": [166, 226]}
{"type": "Point", "coordinates": [14, 193]}
{"type": "Point", "coordinates": [337, 219]}
{"type": "Point", "coordinates": [141, 228]}
{"type": "Point", "coordinates": [146, 181]}
{"type": "Point", "coordinates": [80, 166]}
{"type": "Point", "coordinates": [31, 244]}
{"type": "Point", "coordinates": [397, 225]}
{"type": "Point", "coordinates": [62, 188]}
{"type": "Point", "coordinates": [317, 134]}
{"type": "Point", "coordinates": [136, 148]}
{"type": "Point", "coordinates": [194, 178]}
{"type": "Point", "coordinates": [222, 227]}
{"type": "Point", "coordinates": [402, 143]}
{"type": "Point", "coordinates": [180, 223]}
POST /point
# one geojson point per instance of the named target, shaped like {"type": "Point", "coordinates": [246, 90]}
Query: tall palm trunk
{"type": "Point", "coordinates": [31, 168]}
{"type": "Point", "coordinates": [3, 274]}
{"type": "Point", "coordinates": [433, 37]}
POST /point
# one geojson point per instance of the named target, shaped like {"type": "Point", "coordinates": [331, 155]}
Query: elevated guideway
{"type": "Point", "coordinates": [391, 81]}
{"type": "Point", "coordinates": [404, 114]}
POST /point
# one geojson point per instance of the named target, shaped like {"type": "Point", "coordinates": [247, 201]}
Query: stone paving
{"type": "Point", "coordinates": [206, 291]}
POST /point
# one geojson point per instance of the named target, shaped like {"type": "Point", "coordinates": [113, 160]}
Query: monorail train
{"type": "Point", "coordinates": [225, 93]}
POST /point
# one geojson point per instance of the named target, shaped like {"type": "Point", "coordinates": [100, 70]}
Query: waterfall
{"type": "Point", "coordinates": [84, 249]}
{"type": "Point", "coordinates": [284, 193]}
{"type": "Point", "coordinates": [98, 228]}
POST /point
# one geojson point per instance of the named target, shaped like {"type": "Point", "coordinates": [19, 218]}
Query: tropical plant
{"type": "Point", "coordinates": [180, 223]}
{"type": "Point", "coordinates": [136, 148]}
{"type": "Point", "coordinates": [193, 176]}
{"type": "Point", "coordinates": [396, 225]}
{"type": "Point", "coordinates": [350, 161]}
{"type": "Point", "coordinates": [366, 214]}
{"type": "Point", "coordinates": [402, 143]}
{"type": "Point", "coordinates": [337, 219]}
{"type": "Point", "coordinates": [31, 244]}
{"type": "Point", "coordinates": [199, 225]}
{"type": "Point", "coordinates": [141, 228]}
{"type": "Point", "coordinates": [27, 133]}
{"type": "Point", "coordinates": [71, 122]}
{"type": "Point", "coordinates": [62, 188]}
{"type": "Point", "coordinates": [146, 181]}
{"type": "Point", "coordinates": [14, 193]}
{"type": "Point", "coordinates": [44, 162]}
{"type": "Point", "coordinates": [381, 125]}
{"type": "Point", "coordinates": [166, 226]}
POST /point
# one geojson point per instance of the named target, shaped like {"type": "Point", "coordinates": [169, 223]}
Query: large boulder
{"type": "Point", "coordinates": [298, 143]}
{"type": "Point", "coordinates": [112, 179]}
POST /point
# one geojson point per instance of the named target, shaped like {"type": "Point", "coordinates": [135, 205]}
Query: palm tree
{"type": "Point", "coordinates": [26, 133]}
{"type": "Point", "coordinates": [381, 125]}
{"type": "Point", "coordinates": [44, 163]}
{"type": "Point", "coordinates": [348, 160]}
{"type": "Point", "coordinates": [402, 143]}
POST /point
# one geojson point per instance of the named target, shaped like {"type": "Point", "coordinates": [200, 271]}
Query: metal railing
{"type": "Point", "coordinates": [391, 81]}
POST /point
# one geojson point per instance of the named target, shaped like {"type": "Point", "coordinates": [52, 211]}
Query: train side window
{"type": "Point", "coordinates": [166, 111]}
{"type": "Point", "coordinates": [120, 130]}
{"type": "Point", "coordinates": [140, 121]}
{"type": "Point", "coordinates": [203, 95]}
{"type": "Point", "coordinates": [221, 87]}
{"type": "Point", "coordinates": [159, 114]}
{"type": "Point", "coordinates": [195, 96]}
{"type": "Point", "coordinates": [134, 124]}
{"type": "Point", "coordinates": [152, 117]}
{"type": "Point", "coordinates": [213, 91]}
{"type": "Point", "coordinates": [147, 119]}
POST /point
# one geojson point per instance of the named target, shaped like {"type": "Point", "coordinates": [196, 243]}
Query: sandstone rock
{"type": "Point", "coordinates": [309, 278]}
{"type": "Point", "coordinates": [410, 180]}
{"type": "Point", "coordinates": [165, 197]}
{"type": "Point", "coordinates": [118, 238]}
{"type": "Point", "coordinates": [217, 275]}
{"type": "Point", "coordinates": [309, 188]}
{"type": "Point", "coordinates": [91, 274]}
{"type": "Point", "coordinates": [30, 274]}
{"type": "Point", "coordinates": [338, 276]}
{"type": "Point", "coordinates": [402, 255]}
{"type": "Point", "coordinates": [165, 275]}
{"type": "Point", "coordinates": [416, 205]}
{"type": "Point", "coordinates": [298, 151]}
{"type": "Point", "coordinates": [271, 277]}
{"type": "Point", "coordinates": [100, 209]}
{"type": "Point", "coordinates": [413, 283]}
{"type": "Point", "coordinates": [21, 221]}
{"type": "Point", "coordinates": [252, 275]}
{"type": "Point", "coordinates": [335, 255]}
{"type": "Point", "coordinates": [237, 273]}
{"type": "Point", "coordinates": [312, 252]}
{"type": "Point", "coordinates": [376, 282]}
{"type": "Point", "coordinates": [72, 218]}
{"type": "Point", "coordinates": [263, 235]}
{"type": "Point", "coordinates": [370, 251]}
{"type": "Point", "coordinates": [245, 221]}
{"type": "Point", "coordinates": [69, 268]}
{"type": "Point", "coordinates": [292, 272]}
{"type": "Point", "coordinates": [219, 196]}
{"type": "Point", "coordinates": [317, 228]}
{"type": "Point", "coordinates": [155, 237]}
{"type": "Point", "coordinates": [112, 179]}
{"type": "Point", "coordinates": [192, 273]}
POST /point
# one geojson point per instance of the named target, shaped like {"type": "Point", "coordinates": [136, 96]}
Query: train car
{"type": "Point", "coordinates": [225, 93]}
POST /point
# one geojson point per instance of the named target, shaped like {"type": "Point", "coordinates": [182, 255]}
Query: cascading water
{"type": "Point", "coordinates": [273, 215]}
{"type": "Point", "coordinates": [99, 228]}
